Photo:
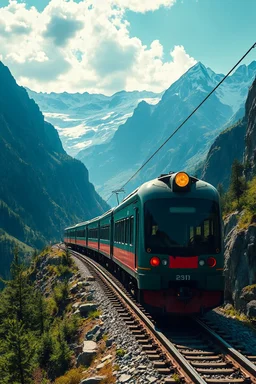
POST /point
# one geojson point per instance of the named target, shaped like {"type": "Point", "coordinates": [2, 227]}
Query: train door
{"type": "Point", "coordinates": [136, 240]}
{"type": "Point", "coordinates": [86, 236]}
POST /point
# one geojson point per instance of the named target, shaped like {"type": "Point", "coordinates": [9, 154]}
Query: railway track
{"type": "Point", "coordinates": [193, 351]}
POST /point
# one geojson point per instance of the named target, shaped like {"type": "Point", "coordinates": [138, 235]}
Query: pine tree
{"type": "Point", "coordinates": [237, 182]}
{"type": "Point", "coordinates": [17, 362]}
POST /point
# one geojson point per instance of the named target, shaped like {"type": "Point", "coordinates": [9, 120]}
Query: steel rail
{"type": "Point", "coordinates": [236, 355]}
{"type": "Point", "coordinates": [172, 350]}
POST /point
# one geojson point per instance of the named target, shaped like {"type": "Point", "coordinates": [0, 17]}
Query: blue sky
{"type": "Point", "coordinates": [215, 32]}
{"type": "Point", "coordinates": [109, 45]}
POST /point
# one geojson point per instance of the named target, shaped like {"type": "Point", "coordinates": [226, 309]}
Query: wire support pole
{"type": "Point", "coordinates": [184, 121]}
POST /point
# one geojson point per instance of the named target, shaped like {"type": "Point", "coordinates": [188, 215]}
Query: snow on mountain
{"type": "Point", "coordinates": [87, 119]}
{"type": "Point", "coordinates": [151, 125]}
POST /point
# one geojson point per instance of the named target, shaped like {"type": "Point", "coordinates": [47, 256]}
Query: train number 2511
{"type": "Point", "coordinates": [182, 277]}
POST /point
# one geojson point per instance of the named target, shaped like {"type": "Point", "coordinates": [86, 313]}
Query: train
{"type": "Point", "coordinates": [164, 241]}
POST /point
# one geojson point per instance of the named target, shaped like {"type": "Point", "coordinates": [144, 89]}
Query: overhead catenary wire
{"type": "Point", "coordinates": [187, 118]}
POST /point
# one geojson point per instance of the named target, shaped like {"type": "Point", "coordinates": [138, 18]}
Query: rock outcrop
{"type": "Point", "coordinates": [250, 148]}
{"type": "Point", "coordinates": [240, 266]}
{"type": "Point", "coordinates": [227, 147]}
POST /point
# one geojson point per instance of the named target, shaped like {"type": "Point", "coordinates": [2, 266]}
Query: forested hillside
{"type": "Point", "coordinates": [42, 189]}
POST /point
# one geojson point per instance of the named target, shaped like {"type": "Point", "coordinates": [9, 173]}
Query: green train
{"type": "Point", "coordinates": [164, 241]}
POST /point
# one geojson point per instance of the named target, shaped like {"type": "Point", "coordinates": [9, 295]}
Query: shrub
{"type": "Point", "coordinates": [74, 376]}
{"type": "Point", "coordinates": [120, 352]}
{"type": "Point", "coordinates": [94, 314]}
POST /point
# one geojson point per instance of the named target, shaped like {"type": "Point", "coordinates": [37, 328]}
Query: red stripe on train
{"type": "Point", "coordinates": [93, 244]}
{"type": "Point", "coordinates": [80, 242]}
{"type": "Point", "coordinates": [183, 262]}
{"type": "Point", "coordinates": [126, 257]}
{"type": "Point", "coordinates": [105, 248]}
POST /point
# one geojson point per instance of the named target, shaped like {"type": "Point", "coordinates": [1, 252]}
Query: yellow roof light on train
{"type": "Point", "coordinates": [182, 179]}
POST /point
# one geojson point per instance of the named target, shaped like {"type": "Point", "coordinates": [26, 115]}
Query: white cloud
{"type": "Point", "coordinates": [85, 46]}
{"type": "Point", "coordinates": [144, 5]}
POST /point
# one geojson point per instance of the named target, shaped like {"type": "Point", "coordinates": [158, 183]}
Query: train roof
{"type": "Point", "coordinates": [160, 187]}
{"type": "Point", "coordinates": [90, 221]}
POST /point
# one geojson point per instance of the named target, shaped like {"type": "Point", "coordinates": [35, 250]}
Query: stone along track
{"type": "Point", "coordinates": [193, 351]}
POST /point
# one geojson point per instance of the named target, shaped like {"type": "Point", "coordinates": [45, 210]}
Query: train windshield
{"type": "Point", "coordinates": [182, 227]}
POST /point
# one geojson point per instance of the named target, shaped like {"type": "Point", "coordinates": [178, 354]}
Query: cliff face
{"type": "Point", "coordinates": [236, 142]}
{"type": "Point", "coordinates": [42, 189]}
{"type": "Point", "coordinates": [227, 147]}
{"type": "Point", "coordinates": [240, 266]}
{"type": "Point", "coordinates": [250, 139]}
{"type": "Point", "coordinates": [240, 245]}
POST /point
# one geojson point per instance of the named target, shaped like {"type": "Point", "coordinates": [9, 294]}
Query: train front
{"type": "Point", "coordinates": [181, 257]}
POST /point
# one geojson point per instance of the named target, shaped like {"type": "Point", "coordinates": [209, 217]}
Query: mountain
{"type": "Point", "coordinates": [227, 147]}
{"type": "Point", "coordinates": [111, 164]}
{"type": "Point", "coordinates": [86, 119]}
{"type": "Point", "coordinates": [236, 142]}
{"type": "Point", "coordinates": [42, 189]}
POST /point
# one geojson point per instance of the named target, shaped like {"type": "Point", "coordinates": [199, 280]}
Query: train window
{"type": "Point", "coordinates": [172, 226]}
{"type": "Point", "coordinates": [198, 230]}
{"type": "Point", "coordinates": [127, 231]}
{"type": "Point", "coordinates": [123, 232]}
{"type": "Point", "coordinates": [131, 229]}
{"type": "Point", "coordinates": [80, 233]}
{"type": "Point", "coordinates": [124, 229]}
{"type": "Point", "coordinates": [93, 233]}
{"type": "Point", "coordinates": [104, 232]}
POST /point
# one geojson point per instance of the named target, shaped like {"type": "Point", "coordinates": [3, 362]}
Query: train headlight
{"type": "Point", "coordinates": [201, 263]}
{"type": "Point", "coordinates": [164, 262]}
{"type": "Point", "coordinates": [211, 262]}
{"type": "Point", "coordinates": [182, 179]}
{"type": "Point", "coordinates": [155, 261]}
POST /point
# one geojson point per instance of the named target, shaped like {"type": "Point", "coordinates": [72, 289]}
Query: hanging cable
{"type": "Point", "coordinates": [184, 121]}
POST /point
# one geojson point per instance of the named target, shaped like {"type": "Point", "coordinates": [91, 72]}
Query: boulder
{"type": "Point", "coordinates": [251, 309]}
{"type": "Point", "coordinates": [87, 354]}
{"type": "Point", "coordinates": [108, 357]}
{"type": "Point", "coordinates": [86, 308]}
{"type": "Point", "coordinates": [249, 293]}
{"type": "Point", "coordinates": [101, 365]}
{"type": "Point", "coordinates": [90, 278]}
{"type": "Point", "coordinates": [92, 331]}
{"type": "Point", "coordinates": [75, 306]}
{"type": "Point", "coordinates": [124, 378]}
{"type": "Point", "coordinates": [93, 380]}
{"type": "Point", "coordinates": [98, 335]}
{"type": "Point", "coordinates": [78, 286]}
{"type": "Point", "coordinates": [109, 342]}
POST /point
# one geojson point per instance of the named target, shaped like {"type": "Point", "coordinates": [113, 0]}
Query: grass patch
{"type": "Point", "coordinates": [176, 378]}
{"type": "Point", "coordinates": [249, 288]}
{"type": "Point", "coordinates": [120, 352]}
{"type": "Point", "coordinates": [94, 314]}
{"type": "Point", "coordinates": [235, 314]}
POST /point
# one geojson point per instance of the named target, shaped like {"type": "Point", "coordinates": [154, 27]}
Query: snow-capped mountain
{"type": "Point", "coordinates": [88, 119]}
{"type": "Point", "coordinates": [111, 164]}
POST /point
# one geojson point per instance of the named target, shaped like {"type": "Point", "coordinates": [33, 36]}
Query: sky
{"type": "Point", "coordinates": [104, 46]}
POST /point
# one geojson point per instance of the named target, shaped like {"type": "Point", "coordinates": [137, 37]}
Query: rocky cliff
{"type": "Point", "coordinates": [250, 148]}
{"type": "Point", "coordinates": [240, 244]}
{"type": "Point", "coordinates": [227, 147]}
{"type": "Point", "coordinates": [42, 189]}
{"type": "Point", "coordinates": [240, 265]}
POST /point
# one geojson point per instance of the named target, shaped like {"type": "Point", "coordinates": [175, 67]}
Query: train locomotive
{"type": "Point", "coordinates": [165, 241]}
